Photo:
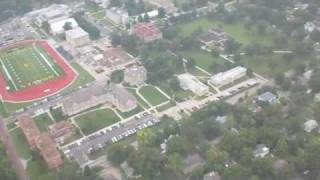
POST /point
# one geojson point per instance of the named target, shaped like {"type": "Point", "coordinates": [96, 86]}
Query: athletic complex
{"type": "Point", "coordinates": [31, 70]}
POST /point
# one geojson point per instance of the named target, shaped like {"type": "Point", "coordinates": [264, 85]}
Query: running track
{"type": "Point", "coordinates": [44, 89]}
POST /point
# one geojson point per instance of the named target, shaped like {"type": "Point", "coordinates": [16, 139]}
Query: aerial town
{"type": "Point", "coordinates": [160, 89]}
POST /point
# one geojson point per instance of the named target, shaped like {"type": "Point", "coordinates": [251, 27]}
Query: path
{"type": "Point", "coordinates": [11, 152]}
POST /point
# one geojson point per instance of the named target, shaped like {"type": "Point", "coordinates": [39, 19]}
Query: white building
{"type": "Point", "coordinates": [310, 125]}
{"type": "Point", "coordinates": [135, 75]}
{"type": "Point", "coordinates": [261, 151]}
{"type": "Point", "coordinates": [77, 37]}
{"type": "Point", "coordinates": [56, 25]}
{"type": "Point", "coordinates": [227, 77]}
{"type": "Point", "coordinates": [189, 82]}
{"type": "Point", "coordinates": [117, 16]}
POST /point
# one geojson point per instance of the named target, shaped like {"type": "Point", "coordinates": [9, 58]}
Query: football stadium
{"type": "Point", "coordinates": [31, 70]}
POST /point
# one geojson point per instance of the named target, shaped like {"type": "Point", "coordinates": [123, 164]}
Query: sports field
{"type": "Point", "coordinates": [27, 66]}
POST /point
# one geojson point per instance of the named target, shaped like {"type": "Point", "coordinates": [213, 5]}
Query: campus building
{"type": "Point", "coordinates": [227, 77]}
{"type": "Point", "coordinates": [57, 25]}
{"type": "Point", "coordinates": [117, 16]}
{"type": "Point", "coordinates": [61, 131]}
{"type": "Point", "coordinates": [30, 130]}
{"type": "Point", "coordinates": [77, 37]}
{"type": "Point", "coordinates": [189, 82]}
{"type": "Point", "coordinates": [135, 75]}
{"type": "Point", "coordinates": [49, 151]}
{"type": "Point", "coordinates": [116, 59]}
{"type": "Point", "coordinates": [147, 31]}
{"type": "Point", "coordinates": [214, 38]}
{"type": "Point", "coordinates": [165, 4]}
{"type": "Point", "coordinates": [123, 99]}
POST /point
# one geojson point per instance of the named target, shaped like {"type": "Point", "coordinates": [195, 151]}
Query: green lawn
{"type": "Point", "coordinates": [153, 95]}
{"type": "Point", "coordinates": [131, 113]}
{"type": "Point", "coordinates": [58, 114]}
{"type": "Point", "coordinates": [236, 30]}
{"type": "Point", "coordinates": [165, 106]}
{"type": "Point", "coordinates": [141, 101]}
{"type": "Point", "coordinates": [202, 58]}
{"type": "Point", "coordinates": [27, 66]}
{"type": "Point", "coordinates": [20, 143]}
{"type": "Point", "coordinates": [43, 121]}
{"type": "Point", "coordinates": [95, 120]}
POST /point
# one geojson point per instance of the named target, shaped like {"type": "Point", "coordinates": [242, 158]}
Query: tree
{"type": "Point", "coordinates": [115, 39]}
{"type": "Point", "coordinates": [45, 25]}
{"type": "Point", "coordinates": [117, 154]}
{"type": "Point", "coordinates": [191, 64]}
{"type": "Point", "coordinates": [314, 82]}
{"type": "Point", "coordinates": [262, 167]}
{"type": "Point", "coordinates": [174, 84]}
{"type": "Point", "coordinates": [161, 12]}
{"type": "Point", "coordinates": [146, 17]}
{"type": "Point", "coordinates": [237, 172]}
{"type": "Point", "coordinates": [178, 144]}
{"type": "Point", "coordinates": [67, 26]}
{"type": "Point", "coordinates": [175, 161]}
{"type": "Point", "coordinates": [232, 46]}
{"type": "Point", "coordinates": [117, 76]}
{"type": "Point", "coordinates": [282, 149]}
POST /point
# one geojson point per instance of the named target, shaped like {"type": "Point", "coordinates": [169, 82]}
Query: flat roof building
{"type": "Point", "coordinates": [189, 82]}
{"type": "Point", "coordinates": [57, 25]}
{"type": "Point", "coordinates": [77, 37]}
{"type": "Point", "coordinates": [116, 59]}
{"type": "Point", "coordinates": [30, 130]}
{"type": "Point", "coordinates": [147, 31]}
{"type": "Point", "coordinates": [49, 151]}
{"type": "Point", "coordinates": [227, 77]}
{"type": "Point", "coordinates": [61, 131]}
{"type": "Point", "coordinates": [123, 99]}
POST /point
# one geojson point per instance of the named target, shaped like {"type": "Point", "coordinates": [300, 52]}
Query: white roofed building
{"type": "Point", "coordinates": [189, 82]}
{"type": "Point", "coordinates": [77, 37]}
{"type": "Point", "coordinates": [57, 25]}
{"type": "Point", "coordinates": [227, 77]}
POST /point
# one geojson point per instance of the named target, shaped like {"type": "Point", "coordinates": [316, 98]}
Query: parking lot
{"type": "Point", "coordinates": [79, 149]}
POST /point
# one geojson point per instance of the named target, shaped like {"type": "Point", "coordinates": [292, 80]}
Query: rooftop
{"type": "Point", "coordinates": [76, 33]}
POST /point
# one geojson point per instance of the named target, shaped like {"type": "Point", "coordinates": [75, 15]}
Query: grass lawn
{"type": "Point", "coordinates": [270, 65]}
{"type": "Point", "coordinates": [27, 66]}
{"type": "Point", "coordinates": [236, 30]}
{"type": "Point", "coordinates": [152, 95]}
{"type": "Point", "coordinates": [95, 120]}
{"type": "Point", "coordinates": [43, 121]}
{"type": "Point", "coordinates": [165, 106]}
{"type": "Point", "coordinates": [20, 143]}
{"type": "Point", "coordinates": [141, 101]}
{"type": "Point", "coordinates": [202, 59]}
{"type": "Point", "coordinates": [58, 114]}
{"type": "Point", "coordinates": [99, 14]}
{"type": "Point", "coordinates": [131, 113]}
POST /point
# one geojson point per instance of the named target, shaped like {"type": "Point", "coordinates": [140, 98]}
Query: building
{"type": "Point", "coordinates": [212, 176]}
{"type": "Point", "coordinates": [165, 4]}
{"type": "Point", "coordinates": [147, 31]}
{"type": "Point", "coordinates": [77, 37]}
{"type": "Point", "coordinates": [267, 97]}
{"type": "Point", "coordinates": [116, 59]}
{"type": "Point", "coordinates": [117, 16]}
{"type": "Point", "coordinates": [214, 38]}
{"type": "Point", "coordinates": [57, 25]}
{"type": "Point", "coordinates": [122, 98]}
{"type": "Point", "coordinates": [135, 75]}
{"type": "Point", "coordinates": [189, 82]}
{"type": "Point", "coordinates": [310, 125]}
{"type": "Point", "coordinates": [48, 151]}
{"type": "Point", "coordinates": [261, 151]}
{"type": "Point", "coordinates": [30, 130]}
{"type": "Point", "coordinates": [227, 77]}
{"type": "Point", "coordinates": [102, 3]}
{"type": "Point", "coordinates": [85, 98]}
{"type": "Point", "coordinates": [61, 131]}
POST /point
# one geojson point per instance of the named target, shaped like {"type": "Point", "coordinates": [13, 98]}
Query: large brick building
{"type": "Point", "coordinates": [30, 130]}
{"type": "Point", "coordinates": [147, 31]}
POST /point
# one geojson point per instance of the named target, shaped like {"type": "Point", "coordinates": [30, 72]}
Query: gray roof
{"type": "Point", "coordinates": [267, 97]}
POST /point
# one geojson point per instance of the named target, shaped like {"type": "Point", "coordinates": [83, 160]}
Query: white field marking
{"type": "Point", "coordinates": [46, 60]}
{"type": "Point", "coordinates": [8, 74]}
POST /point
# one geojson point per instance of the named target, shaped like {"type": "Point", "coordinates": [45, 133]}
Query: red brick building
{"type": "Point", "coordinates": [61, 131]}
{"type": "Point", "coordinates": [30, 130]}
{"type": "Point", "coordinates": [49, 151]}
{"type": "Point", "coordinates": [147, 31]}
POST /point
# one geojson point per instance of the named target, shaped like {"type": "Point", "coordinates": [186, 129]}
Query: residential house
{"type": "Point", "coordinates": [261, 151]}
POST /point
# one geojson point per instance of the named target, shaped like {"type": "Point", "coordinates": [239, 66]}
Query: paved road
{"type": "Point", "coordinates": [11, 152]}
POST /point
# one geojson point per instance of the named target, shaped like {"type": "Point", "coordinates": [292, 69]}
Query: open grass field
{"type": "Point", "coordinates": [27, 66]}
{"type": "Point", "coordinates": [43, 121]}
{"type": "Point", "coordinates": [95, 120]}
{"type": "Point", "coordinates": [20, 143]}
{"type": "Point", "coordinates": [152, 95]}
{"type": "Point", "coordinates": [131, 113]}
{"type": "Point", "coordinates": [236, 30]}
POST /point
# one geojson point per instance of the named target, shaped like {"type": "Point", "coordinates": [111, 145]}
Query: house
{"type": "Point", "coordinates": [57, 25]}
{"type": "Point", "coordinates": [30, 130]}
{"type": "Point", "coordinates": [48, 151]}
{"type": "Point", "coordinates": [117, 15]}
{"type": "Point", "coordinates": [135, 75]}
{"type": "Point", "coordinates": [228, 77]}
{"type": "Point", "coordinates": [146, 31]}
{"type": "Point", "coordinates": [190, 82]}
{"type": "Point", "coordinates": [165, 4]}
{"type": "Point", "coordinates": [77, 37]}
{"type": "Point", "coordinates": [191, 163]}
{"type": "Point", "coordinates": [61, 131]}
{"type": "Point", "coordinates": [214, 38]}
{"type": "Point", "coordinates": [267, 97]}
{"type": "Point", "coordinates": [212, 176]}
{"type": "Point", "coordinates": [122, 98]}
{"type": "Point", "coordinates": [261, 151]}
{"type": "Point", "coordinates": [116, 59]}
{"type": "Point", "coordinates": [310, 125]}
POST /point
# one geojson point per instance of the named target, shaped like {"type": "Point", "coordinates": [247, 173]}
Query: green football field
{"type": "Point", "coordinates": [27, 66]}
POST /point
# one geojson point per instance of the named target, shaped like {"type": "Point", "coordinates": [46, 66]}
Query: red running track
{"type": "Point", "coordinates": [44, 89]}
